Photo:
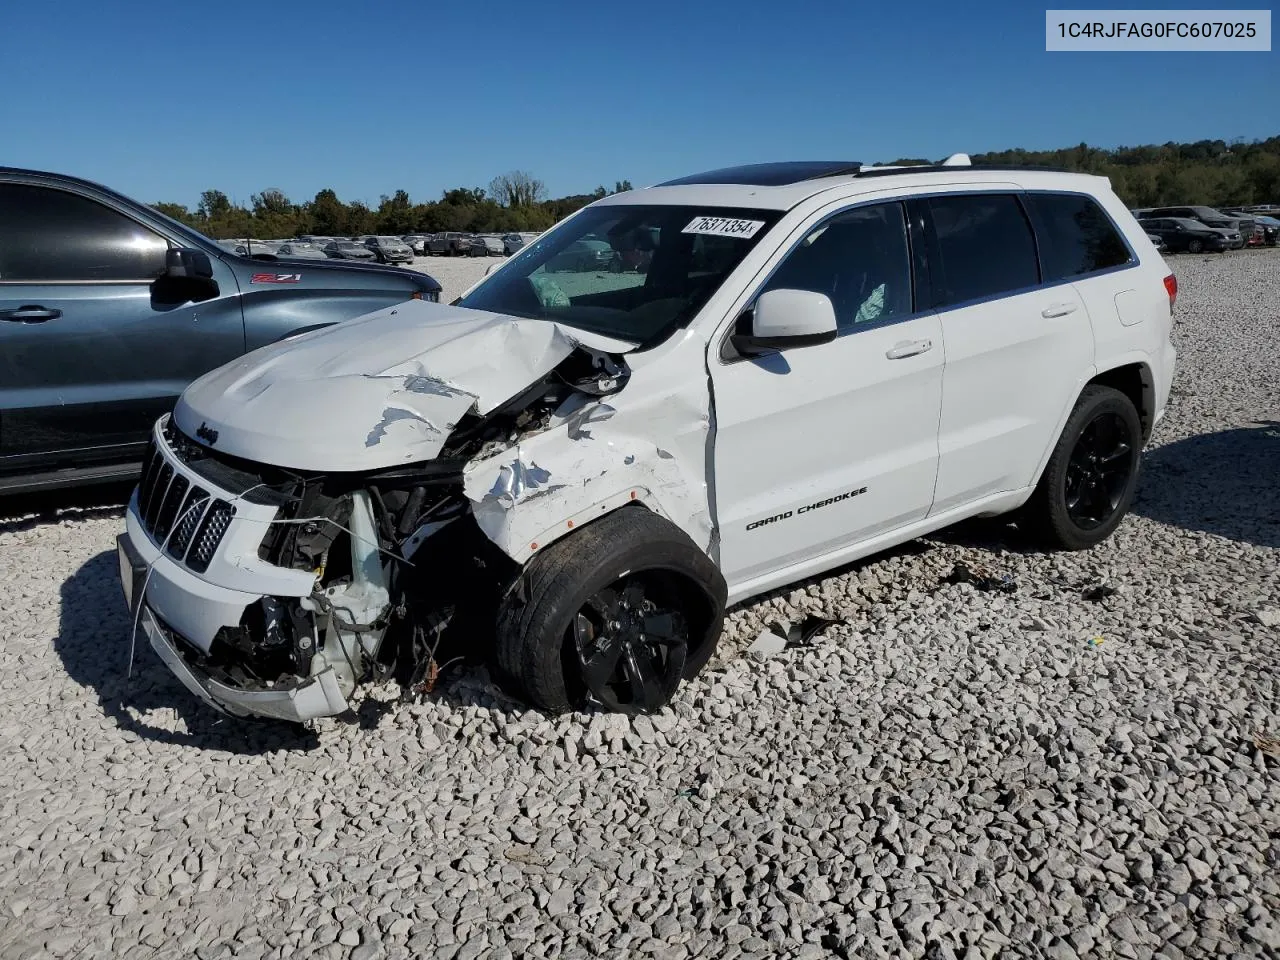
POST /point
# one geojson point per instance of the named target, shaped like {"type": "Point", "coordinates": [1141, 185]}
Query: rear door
{"type": "Point", "coordinates": [1018, 352]}
{"type": "Point", "coordinates": [1080, 244]}
{"type": "Point", "coordinates": [88, 360]}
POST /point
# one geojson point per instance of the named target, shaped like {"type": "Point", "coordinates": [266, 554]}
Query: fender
{"type": "Point", "coordinates": [597, 460]}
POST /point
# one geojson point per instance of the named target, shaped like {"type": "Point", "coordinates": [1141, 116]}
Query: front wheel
{"type": "Point", "coordinates": [1092, 475]}
{"type": "Point", "coordinates": [612, 617]}
{"type": "Point", "coordinates": [1195, 246]}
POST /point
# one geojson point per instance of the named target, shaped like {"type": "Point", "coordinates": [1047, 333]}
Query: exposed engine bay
{"type": "Point", "coordinates": [403, 579]}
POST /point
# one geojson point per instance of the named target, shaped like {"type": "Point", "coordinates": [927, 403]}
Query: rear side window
{"type": "Point", "coordinates": [986, 247]}
{"type": "Point", "coordinates": [1076, 236]}
{"type": "Point", "coordinates": [48, 234]}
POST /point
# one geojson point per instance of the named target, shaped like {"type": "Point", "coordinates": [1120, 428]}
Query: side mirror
{"type": "Point", "coordinates": [187, 277]}
{"type": "Point", "coordinates": [787, 318]}
{"type": "Point", "coordinates": [182, 262]}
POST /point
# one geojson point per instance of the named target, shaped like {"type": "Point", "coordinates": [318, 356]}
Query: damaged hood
{"type": "Point", "coordinates": [378, 391]}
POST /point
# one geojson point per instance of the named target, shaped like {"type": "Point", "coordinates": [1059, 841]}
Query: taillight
{"type": "Point", "coordinates": [1171, 287]}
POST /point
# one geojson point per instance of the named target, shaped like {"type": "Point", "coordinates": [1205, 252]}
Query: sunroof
{"type": "Point", "coordinates": [770, 174]}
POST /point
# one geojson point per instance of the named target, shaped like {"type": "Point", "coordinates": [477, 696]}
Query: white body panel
{"type": "Point", "coordinates": [844, 448]}
{"type": "Point", "coordinates": [841, 420]}
{"type": "Point", "coordinates": [1014, 368]}
{"type": "Point", "coordinates": [378, 391]}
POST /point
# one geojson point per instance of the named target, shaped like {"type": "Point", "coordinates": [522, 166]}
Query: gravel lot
{"type": "Point", "coordinates": [946, 772]}
{"type": "Point", "coordinates": [455, 274]}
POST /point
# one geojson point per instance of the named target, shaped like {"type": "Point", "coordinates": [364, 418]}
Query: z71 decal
{"type": "Point", "coordinates": [275, 278]}
{"type": "Point", "coordinates": [806, 508]}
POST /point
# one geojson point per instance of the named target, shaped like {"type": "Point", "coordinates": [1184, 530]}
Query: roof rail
{"type": "Point", "coordinates": [948, 167]}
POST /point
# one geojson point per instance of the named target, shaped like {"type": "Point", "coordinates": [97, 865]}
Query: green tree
{"type": "Point", "coordinates": [326, 215]}
{"type": "Point", "coordinates": [213, 205]}
{"type": "Point", "coordinates": [395, 214]}
{"type": "Point", "coordinates": [178, 212]}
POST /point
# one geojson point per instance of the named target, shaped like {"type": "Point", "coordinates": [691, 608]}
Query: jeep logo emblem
{"type": "Point", "coordinates": [207, 434]}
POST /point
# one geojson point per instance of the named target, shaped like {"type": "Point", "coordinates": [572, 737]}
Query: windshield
{"type": "Point", "coordinates": [627, 271]}
{"type": "Point", "coordinates": [391, 241]}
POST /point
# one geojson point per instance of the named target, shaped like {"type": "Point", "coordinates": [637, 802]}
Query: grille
{"type": "Point", "coordinates": [188, 520]}
{"type": "Point", "coordinates": [212, 529]}
{"type": "Point", "coordinates": [171, 509]}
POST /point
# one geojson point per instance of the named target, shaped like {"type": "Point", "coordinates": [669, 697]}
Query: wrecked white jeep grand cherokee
{"type": "Point", "coordinates": [678, 398]}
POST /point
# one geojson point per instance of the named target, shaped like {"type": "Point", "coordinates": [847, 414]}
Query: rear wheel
{"type": "Point", "coordinates": [1092, 475]}
{"type": "Point", "coordinates": [614, 616]}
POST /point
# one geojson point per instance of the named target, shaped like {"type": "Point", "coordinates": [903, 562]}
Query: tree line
{"type": "Point", "coordinates": [1213, 173]}
{"type": "Point", "coordinates": [1209, 172]}
{"type": "Point", "coordinates": [512, 203]}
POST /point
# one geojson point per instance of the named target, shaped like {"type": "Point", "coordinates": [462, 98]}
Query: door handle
{"type": "Point", "coordinates": [908, 348]}
{"type": "Point", "coordinates": [31, 313]}
{"type": "Point", "coordinates": [1058, 310]}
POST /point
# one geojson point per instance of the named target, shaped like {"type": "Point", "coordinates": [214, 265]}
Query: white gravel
{"type": "Point", "coordinates": [455, 274]}
{"type": "Point", "coordinates": [944, 773]}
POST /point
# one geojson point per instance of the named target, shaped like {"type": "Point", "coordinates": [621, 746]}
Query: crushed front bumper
{"type": "Point", "coordinates": [181, 608]}
{"type": "Point", "coordinates": [318, 696]}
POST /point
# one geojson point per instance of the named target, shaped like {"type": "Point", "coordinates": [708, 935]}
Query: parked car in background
{"type": "Point", "coordinates": [1252, 232]}
{"type": "Point", "coordinates": [301, 251]}
{"type": "Point", "coordinates": [575, 476]}
{"type": "Point", "coordinates": [450, 244]}
{"type": "Point", "coordinates": [512, 243]}
{"type": "Point", "coordinates": [1157, 241]}
{"type": "Point", "coordinates": [1181, 234]}
{"type": "Point", "coordinates": [1210, 218]}
{"type": "Point", "coordinates": [417, 243]}
{"type": "Point", "coordinates": [492, 245]}
{"type": "Point", "coordinates": [1269, 227]}
{"type": "Point", "coordinates": [390, 250]}
{"type": "Point", "coordinates": [113, 308]}
{"type": "Point", "coordinates": [348, 250]}
{"type": "Point", "coordinates": [585, 254]}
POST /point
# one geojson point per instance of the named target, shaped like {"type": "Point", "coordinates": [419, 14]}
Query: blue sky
{"type": "Point", "coordinates": [163, 100]}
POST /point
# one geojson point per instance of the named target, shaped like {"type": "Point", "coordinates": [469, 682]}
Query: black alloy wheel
{"type": "Point", "coordinates": [631, 643]}
{"type": "Point", "coordinates": [1098, 471]}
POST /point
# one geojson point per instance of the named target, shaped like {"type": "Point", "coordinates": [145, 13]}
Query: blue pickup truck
{"type": "Point", "coordinates": [108, 309]}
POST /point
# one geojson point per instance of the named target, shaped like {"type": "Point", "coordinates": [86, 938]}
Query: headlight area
{"type": "Point", "coordinates": [404, 582]}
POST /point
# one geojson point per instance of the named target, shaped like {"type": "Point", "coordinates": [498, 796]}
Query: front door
{"type": "Point", "coordinates": [88, 360]}
{"type": "Point", "coordinates": [821, 447]}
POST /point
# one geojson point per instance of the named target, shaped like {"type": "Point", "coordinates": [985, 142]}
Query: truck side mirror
{"type": "Point", "coordinates": [187, 277]}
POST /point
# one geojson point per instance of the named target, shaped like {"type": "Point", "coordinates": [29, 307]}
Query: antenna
{"type": "Point", "coordinates": [957, 160]}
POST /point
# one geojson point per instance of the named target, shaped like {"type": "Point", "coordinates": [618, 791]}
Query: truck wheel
{"type": "Point", "coordinates": [613, 616]}
{"type": "Point", "coordinates": [1091, 477]}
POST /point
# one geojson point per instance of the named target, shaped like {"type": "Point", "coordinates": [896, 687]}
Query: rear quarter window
{"type": "Point", "coordinates": [1076, 236]}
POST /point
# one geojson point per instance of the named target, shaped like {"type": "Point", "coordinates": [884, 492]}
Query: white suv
{"type": "Point", "coordinates": [761, 373]}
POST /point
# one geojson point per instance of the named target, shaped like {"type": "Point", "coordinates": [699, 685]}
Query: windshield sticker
{"type": "Point", "coordinates": [724, 227]}
{"type": "Point", "coordinates": [275, 278]}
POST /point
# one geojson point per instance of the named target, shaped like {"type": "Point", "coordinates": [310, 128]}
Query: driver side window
{"type": "Point", "coordinates": [860, 259]}
{"type": "Point", "coordinates": [49, 234]}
